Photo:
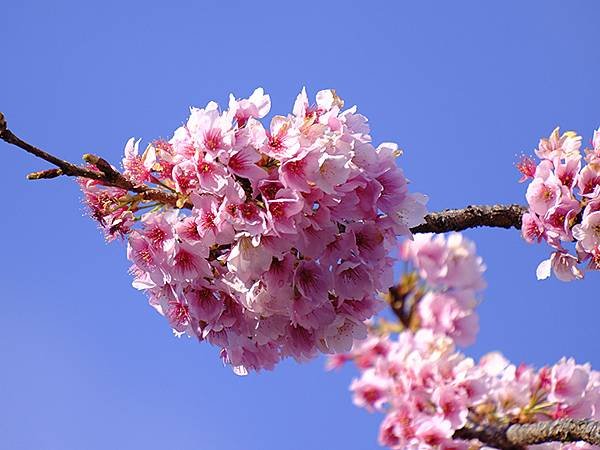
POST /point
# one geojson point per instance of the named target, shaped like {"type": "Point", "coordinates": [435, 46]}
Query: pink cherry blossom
{"type": "Point", "coordinates": [543, 194]}
{"type": "Point", "coordinates": [370, 391]}
{"type": "Point", "coordinates": [561, 188]}
{"type": "Point", "coordinates": [533, 228]}
{"type": "Point", "coordinates": [210, 130]}
{"type": "Point", "coordinates": [243, 163]}
{"type": "Point", "coordinates": [281, 233]}
{"type": "Point", "coordinates": [559, 146]}
{"type": "Point", "coordinates": [427, 390]}
{"type": "Point", "coordinates": [108, 206]}
{"type": "Point", "coordinates": [256, 106]}
{"type": "Point", "coordinates": [569, 381]}
{"type": "Point", "coordinates": [452, 263]}
{"type": "Point", "coordinates": [562, 264]}
{"type": "Point", "coordinates": [588, 232]}
{"type": "Point", "coordinates": [296, 172]}
{"type": "Point", "coordinates": [527, 168]}
{"type": "Point", "coordinates": [333, 171]}
{"type": "Point", "coordinates": [282, 139]}
{"type": "Point", "coordinates": [137, 168]}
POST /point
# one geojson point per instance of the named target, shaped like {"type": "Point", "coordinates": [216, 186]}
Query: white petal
{"type": "Point", "coordinates": [240, 370]}
{"type": "Point", "coordinates": [543, 270]}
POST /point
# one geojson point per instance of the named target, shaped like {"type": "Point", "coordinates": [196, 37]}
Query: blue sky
{"type": "Point", "coordinates": [462, 86]}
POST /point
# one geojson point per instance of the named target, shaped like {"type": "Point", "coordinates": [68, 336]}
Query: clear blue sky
{"type": "Point", "coordinates": [462, 86]}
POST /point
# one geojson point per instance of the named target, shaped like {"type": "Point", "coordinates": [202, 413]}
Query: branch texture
{"type": "Point", "coordinates": [500, 216]}
{"type": "Point", "coordinates": [565, 430]}
{"type": "Point", "coordinates": [516, 437]}
{"type": "Point", "coordinates": [486, 434]}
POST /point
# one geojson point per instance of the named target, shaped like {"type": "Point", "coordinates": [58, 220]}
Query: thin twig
{"type": "Point", "coordinates": [106, 174]}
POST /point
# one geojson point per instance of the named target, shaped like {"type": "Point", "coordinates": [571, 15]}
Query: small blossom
{"type": "Point", "coordinates": [562, 264]}
{"type": "Point", "coordinates": [527, 168]}
{"type": "Point", "coordinates": [565, 146]}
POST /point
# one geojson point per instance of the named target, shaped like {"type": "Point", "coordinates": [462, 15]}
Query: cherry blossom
{"type": "Point", "coordinates": [282, 235]}
{"type": "Point", "coordinates": [563, 198]}
{"type": "Point", "coordinates": [427, 389]}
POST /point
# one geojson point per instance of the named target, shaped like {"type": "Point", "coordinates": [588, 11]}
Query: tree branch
{"type": "Point", "coordinates": [503, 216]}
{"type": "Point", "coordinates": [106, 174]}
{"type": "Point", "coordinates": [489, 435]}
{"type": "Point", "coordinates": [516, 437]}
{"type": "Point", "coordinates": [564, 430]}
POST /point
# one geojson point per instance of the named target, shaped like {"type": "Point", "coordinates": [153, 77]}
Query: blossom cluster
{"type": "Point", "coordinates": [428, 390]}
{"type": "Point", "coordinates": [110, 206]}
{"type": "Point", "coordinates": [564, 204]}
{"type": "Point", "coordinates": [283, 232]}
{"type": "Point", "coordinates": [454, 275]}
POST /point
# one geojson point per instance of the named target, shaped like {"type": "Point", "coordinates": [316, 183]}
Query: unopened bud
{"type": "Point", "coordinates": [45, 174]}
{"type": "Point", "coordinates": [90, 158]}
{"type": "Point", "coordinates": [104, 166]}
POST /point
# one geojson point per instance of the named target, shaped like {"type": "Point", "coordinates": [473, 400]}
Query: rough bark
{"type": "Point", "coordinates": [501, 216]}
{"type": "Point", "coordinates": [517, 437]}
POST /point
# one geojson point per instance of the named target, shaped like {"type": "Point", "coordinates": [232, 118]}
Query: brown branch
{"type": "Point", "coordinates": [107, 175]}
{"type": "Point", "coordinates": [516, 437]}
{"type": "Point", "coordinates": [501, 216]}
{"type": "Point", "coordinates": [564, 430]}
{"type": "Point", "coordinates": [486, 434]}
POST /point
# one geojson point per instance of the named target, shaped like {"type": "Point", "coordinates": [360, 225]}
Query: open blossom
{"type": "Point", "coordinates": [138, 168]}
{"type": "Point", "coordinates": [559, 146]}
{"type": "Point", "coordinates": [569, 381]}
{"type": "Point", "coordinates": [371, 390]}
{"type": "Point", "coordinates": [588, 232]}
{"type": "Point", "coordinates": [562, 264]}
{"type": "Point", "coordinates": [284, 231]}
{"type": "Point", "coordinates": [563, 196]}
{"type": "Point", "coordinates": [108, 205]}
{"type": "Point", "coordinates": [527, 168]}
{"type": "Point", "coordinates": [256, 106]}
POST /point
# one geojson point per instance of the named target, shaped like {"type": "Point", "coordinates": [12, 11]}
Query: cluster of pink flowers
{"type": "Point", "coordinates": [428, 390]}
{"type": "Point", "coordinates": [286, 237]}
{"type": "Point", "coordinates": [564, 203]}
{"type": "Point", "coordinates": [109, 206]}
{"type": "Point", "coordinates": [454, 275]}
